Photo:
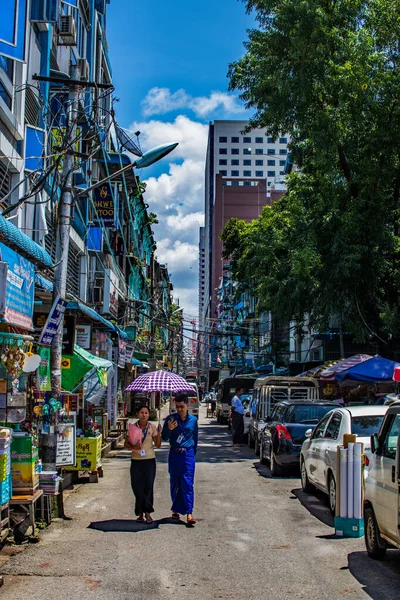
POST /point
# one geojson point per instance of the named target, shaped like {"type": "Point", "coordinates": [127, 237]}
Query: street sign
{"type": "Point", "coordinates": [53, 322]}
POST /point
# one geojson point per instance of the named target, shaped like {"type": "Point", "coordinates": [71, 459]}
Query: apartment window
{"type": "Point", "coordinates": [247, 162]}
{"type": "Point", "coordinates": [235, 151]}
{"type": "Point", "coordinates": [5, 96]}
{"type": "Point", "coordinates": [223, 173]}
{"type": "Point", "coordinates": [282, 163]}
{"type": "Point", "coordinates": [271, 163]}
{"type": "Point", "coordinates": [259, 173]}
{"type": "Point", "coordinates": [271, 173]}
{"type": "Point", "coordinates": [283, 151]}
{"type": "Point", "coordinates": [270, 140]}
{"type": "Point", "coordinates": [234, 140]}
{"type": "Point", "coordinates": [259, 151]}
{"type": "Point", "coordinates": [247, 140]}
{"type": "Point", "coordinates": [246, 173]}
{"type": "Point", "coordinates": [269, 183]}
{"type": "Point", "coordinates": [246, 183]}
{"type": "Point", "coordinates": [235, 182]}
{"type": "Point", "coordinates": [223, 140]}
{"type": "Point", "coordinates": [234, 173]}
{"type": "Point", "coordinates": [283, 140]}
{"type": "Point", "coordinates": [223, 151]}
{"type": "Point", "coordinates": [281, 172]}
{"type": "Point", "coordinates": [259, 140]}
{"type": "Point", "coordinates": [271, 151]}
{"type": "Point", "coordinates": [223, 161]}
{"type": "Point", "coordinates": [259, 163]}
{"type": "Point", "coordinates": [246, 151]}
{"type": "Point", "coordinates": [235, 162]}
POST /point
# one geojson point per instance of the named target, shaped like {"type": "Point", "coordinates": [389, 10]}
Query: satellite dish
{"type": "Point", "coordinates": [127, 142]}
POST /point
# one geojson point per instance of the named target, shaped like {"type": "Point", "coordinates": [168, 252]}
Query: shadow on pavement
{"type": "Point", "coordinates": [381, 579]}
{"type": "Point", "coordinates": [316, 504]}
{"type": "Point", "coordinates": [265, 471]}
{"type": "Point", "coordinates": [131, 525]}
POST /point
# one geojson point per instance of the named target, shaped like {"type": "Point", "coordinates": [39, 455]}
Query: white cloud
{"type": "Point", "coordinates": [160, 101]}
{"type": "Point", "coordinates": [191, 135]}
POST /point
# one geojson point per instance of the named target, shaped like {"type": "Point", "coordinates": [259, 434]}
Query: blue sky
{"type": "Point", "coordinates": [170, 61]}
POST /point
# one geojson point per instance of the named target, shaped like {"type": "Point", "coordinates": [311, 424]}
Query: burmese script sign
{"type": "Point", "coordinates": [104, 203]}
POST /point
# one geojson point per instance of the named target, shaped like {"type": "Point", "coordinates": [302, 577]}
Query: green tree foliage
{"type": "Point", "coordinates": [327, 73]}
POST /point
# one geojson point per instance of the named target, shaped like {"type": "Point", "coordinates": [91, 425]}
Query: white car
{"type": "Point", "coordinates": [318, 455]}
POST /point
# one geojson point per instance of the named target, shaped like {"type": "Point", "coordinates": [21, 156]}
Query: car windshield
{"type": "Point", "coordinates": [309, 414]}
{"type": "Point", "coordinates": [366, 425]}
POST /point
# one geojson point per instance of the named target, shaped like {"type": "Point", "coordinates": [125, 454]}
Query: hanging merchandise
{"type": "Point", "coordinates": [13, 359]}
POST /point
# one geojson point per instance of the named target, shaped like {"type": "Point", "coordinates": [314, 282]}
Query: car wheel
{"type": "Point", "coordinates": [257, 447]}
{"type": "Point", "coordinates": [332, 493]}
{"type": "Point", "coordinates": [376, 546]}
{"type": "Point", "coordinates": [305, 484]}
{"type": "Point", "coordinates": [263, 460]}
{"type": "Point", "coordinates": [276, 470]}
{"type": "Point", "coordinates": [250, 441]}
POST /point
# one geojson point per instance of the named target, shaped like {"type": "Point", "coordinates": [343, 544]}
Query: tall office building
{"type": "Point", "coordinates": [244, 172]}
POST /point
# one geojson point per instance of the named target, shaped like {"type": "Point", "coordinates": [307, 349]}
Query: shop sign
{"type": "Point", "coordinates": [66, 445]}
{"type": "Point", "coordinates": [16, 288]}
{"type": "Point", "coordinates": [65, 363]}
{"type": "Point", "coordinates": [44, 370]}
{"type": "Point", "coordinates": [69, 334]}
{"type": "Point", "coordinates": [104, 202]}
{"type": "Point", "coordinates": [53, 322]}
{"type": "Point", "coordinates": [129, 354]}
{"type": "Point", "coordinates": [121, 353]}
{"type": "Point", "coordinates": [110, 304]}
{"type": "Point", "coordinates": [84, 336]}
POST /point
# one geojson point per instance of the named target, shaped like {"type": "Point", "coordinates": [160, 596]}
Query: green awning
{"type": "Point", "coordinates": [78, 365]}
{"type": "Point", "coordinates": [141, 355]}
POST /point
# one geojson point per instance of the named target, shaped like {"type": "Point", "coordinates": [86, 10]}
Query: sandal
{"type": "Point", "coordinates": [176, 515]}
{"type": "Point", "coordinates": [149, 518]}
{"type": "Point", "coordinates": [140, 519]}
{"type": "Point", "coordinates": [190, 520]}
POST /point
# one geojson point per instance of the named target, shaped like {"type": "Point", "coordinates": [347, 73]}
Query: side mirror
{"type": "Point", "coordinates": [374, 443]}
{"type": "Point", "coordinates": [309, 433]}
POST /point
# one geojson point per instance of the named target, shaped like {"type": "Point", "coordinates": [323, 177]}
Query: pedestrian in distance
{"type": "Point", "coordinates": [237, 412]}
{"type": "Point", "coordinates": [143, 464]}
{"type": "Point", "coordinates": [181, 430]}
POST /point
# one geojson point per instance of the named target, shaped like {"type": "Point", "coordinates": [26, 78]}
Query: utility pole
{"type": "Point", "coordinates": [64, 226]}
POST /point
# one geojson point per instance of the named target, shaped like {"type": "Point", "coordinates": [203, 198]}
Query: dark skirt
{"type": "Point", "coordinates": [143, 474]}
{"type": "Point", "coordinates": [237, 428]}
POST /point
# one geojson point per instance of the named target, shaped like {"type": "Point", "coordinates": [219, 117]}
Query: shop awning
{"type": "Point", "coordinates": [21, 243]}
{"type": "Point", "coordinates": [95, 316]}
{"type": "Point", "coordinates": [75, 367]}
{"type": "Point", "coordinates": [43, 283]}
{"type": "Point", "coordinates": [373, 370]}
{"type": "Point", "coordinates": [141, 355]}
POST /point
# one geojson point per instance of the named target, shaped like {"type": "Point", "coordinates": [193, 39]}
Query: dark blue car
{"type": "Point", "coordinates": [285, 431]}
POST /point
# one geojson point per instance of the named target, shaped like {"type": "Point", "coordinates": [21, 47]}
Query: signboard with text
{"type": "Point", "coordinates": [84, 336]}
{"type": "Point", "coordinates": [53, 322]}
{"type": "Point", "coordinates": [104, 203]}
{"type": "Point", "coordinates": [16, 289]}
{"type": "Point", "coordinates": [66, 445]}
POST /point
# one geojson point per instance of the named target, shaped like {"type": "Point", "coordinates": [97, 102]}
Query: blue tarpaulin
{"type": "Point", "coordinates": [371, 370]}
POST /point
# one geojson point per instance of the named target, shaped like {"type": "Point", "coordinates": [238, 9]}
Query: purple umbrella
{"type": "Point", "coordinates": [159, 381]}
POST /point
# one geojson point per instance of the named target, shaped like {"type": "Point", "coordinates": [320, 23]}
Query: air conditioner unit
{"type": "Point", "coordinates": [44, 11]}
{"type": "Point", "coordinates": [83, 68]}
{"type": "Point", "coordinates": [67, 31]}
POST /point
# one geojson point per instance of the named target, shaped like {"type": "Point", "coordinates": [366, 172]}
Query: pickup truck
{"type": "Point", "coordinates": [382, 487]}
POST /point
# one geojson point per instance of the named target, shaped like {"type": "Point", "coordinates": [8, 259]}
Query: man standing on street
{"type": "Point", "coordinates": [237, 418]}
{"type": "Point", "coordinates": [181, 430]}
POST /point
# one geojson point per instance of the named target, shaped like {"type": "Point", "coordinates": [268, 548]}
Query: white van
{"type": "Point", "coordinates": [270, 390]}
{"type": "Point", "coordinates": [382, 487]}
{"type": "Point", "coordinates": [194, 401]}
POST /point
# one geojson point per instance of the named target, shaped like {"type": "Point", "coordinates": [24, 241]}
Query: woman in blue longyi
{"type": "Point", "coordinates": [181, 430]}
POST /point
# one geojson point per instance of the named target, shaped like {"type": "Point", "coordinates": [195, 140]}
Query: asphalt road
{"type": "Point", "coordinates": [256, 538]}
